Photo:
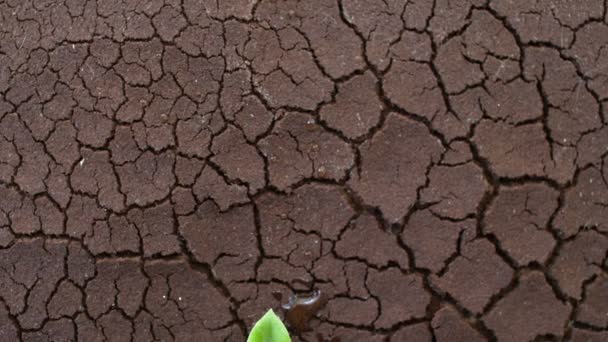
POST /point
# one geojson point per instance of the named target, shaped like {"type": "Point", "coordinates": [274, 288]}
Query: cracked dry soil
{"type": "Point", "coordinates": [438, 169]}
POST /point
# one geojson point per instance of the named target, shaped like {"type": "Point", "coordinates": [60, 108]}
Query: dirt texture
{"type": "Point", "coordinates": [436, 170]}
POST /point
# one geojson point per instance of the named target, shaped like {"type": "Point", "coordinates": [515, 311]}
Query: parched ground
{"type": "Point", "coordinates": [438, 169]}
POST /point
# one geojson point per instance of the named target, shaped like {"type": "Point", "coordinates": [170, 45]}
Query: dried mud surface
{"type": "Point", "coordinates": [438, 169]}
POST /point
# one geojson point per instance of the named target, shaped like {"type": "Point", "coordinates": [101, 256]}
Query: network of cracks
{"type": "Point", "coordinates": [436, 169]}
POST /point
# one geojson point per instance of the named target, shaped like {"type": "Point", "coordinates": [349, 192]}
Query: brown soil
{"type": "Point", "coordinates": [437, 169]}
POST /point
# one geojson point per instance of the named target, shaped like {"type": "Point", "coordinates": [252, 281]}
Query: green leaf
{"type": "Point", "coordinates": [269, 328]}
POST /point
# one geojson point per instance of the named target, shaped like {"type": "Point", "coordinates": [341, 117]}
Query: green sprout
{"type": "Point", "coordinates": [269, 328]}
